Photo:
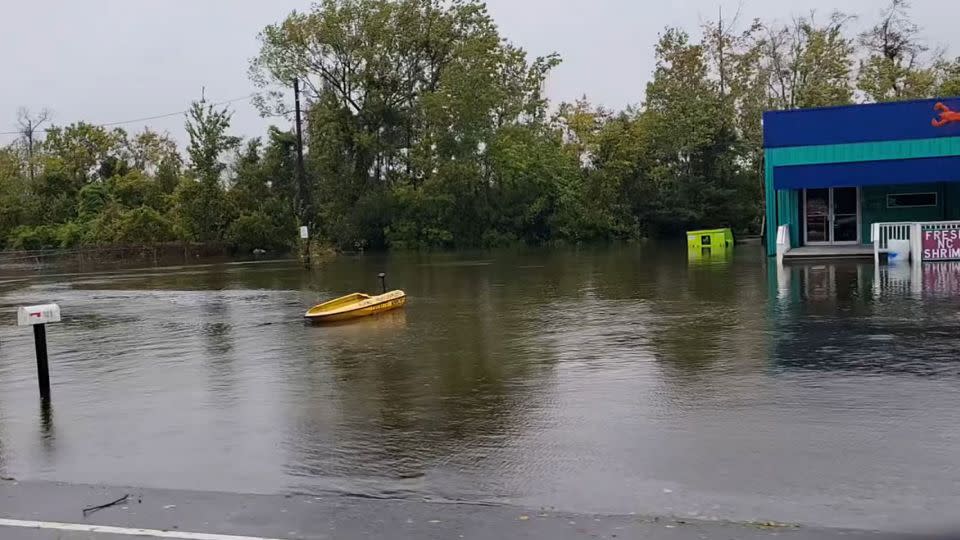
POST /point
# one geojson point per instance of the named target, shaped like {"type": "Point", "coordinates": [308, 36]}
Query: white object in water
{"type": "Point", "coordinates": [783, 242]}
{"type": "Point", "coordinates": [898, 251]}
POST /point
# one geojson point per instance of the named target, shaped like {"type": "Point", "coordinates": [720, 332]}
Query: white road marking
{"type": "Point", "coordinates": [104, 529]}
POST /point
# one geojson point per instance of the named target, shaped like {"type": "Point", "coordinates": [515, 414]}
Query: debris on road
{"type": "Point", "coordinates": [91, 509]}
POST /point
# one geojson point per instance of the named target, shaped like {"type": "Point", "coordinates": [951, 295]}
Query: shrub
{"type": "Point", "coordinates": [143, 225]}
{"type": "Point", "coordinates": [256, 231]}
{"type": "Point", "coordinates": [31, 238]}
{"type": "Point", "coordinates": [71, 234]}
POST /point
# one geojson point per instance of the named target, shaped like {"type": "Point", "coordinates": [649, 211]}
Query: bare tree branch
{"type": "Point", "coordinates": [28, 125]}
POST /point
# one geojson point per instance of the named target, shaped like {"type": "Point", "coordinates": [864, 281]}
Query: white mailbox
{"type": "Point", "coordinates": [43, 314]}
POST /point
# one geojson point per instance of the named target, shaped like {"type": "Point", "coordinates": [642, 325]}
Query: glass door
{"type": "Point", "coordinates": [831, 216]}
{"type": "Point", "coordinates": [846, 215]}
{"type": "Point", "coordinates": [816, 204]}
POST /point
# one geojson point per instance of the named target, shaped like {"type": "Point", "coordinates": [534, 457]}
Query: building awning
{"type": "Point", "coordinates": [868, 173]}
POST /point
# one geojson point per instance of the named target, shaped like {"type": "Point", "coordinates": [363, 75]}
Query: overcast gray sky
{"type": "Point", "coordinates": [112, 60]}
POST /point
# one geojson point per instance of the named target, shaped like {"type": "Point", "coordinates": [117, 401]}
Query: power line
{"type": "Point", "coordinates": [146, 118]}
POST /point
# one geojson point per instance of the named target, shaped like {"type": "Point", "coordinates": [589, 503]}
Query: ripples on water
{"type": "Point", "coordinates": [614, 380]}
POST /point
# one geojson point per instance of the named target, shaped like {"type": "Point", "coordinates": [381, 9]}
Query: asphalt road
{"type": "Point", "coordinates": [38, 510]}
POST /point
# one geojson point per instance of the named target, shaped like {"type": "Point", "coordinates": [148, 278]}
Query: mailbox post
{"type": "Point", "coordinates": [38, 317]}
{"type": "Point", "coordinates": [305, 245]}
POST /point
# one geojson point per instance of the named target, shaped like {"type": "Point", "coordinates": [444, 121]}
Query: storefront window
{"type": "Point", "coordinates": [911, 200]}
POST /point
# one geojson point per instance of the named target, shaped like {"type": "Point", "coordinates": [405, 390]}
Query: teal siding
{"type": "Point", "coordinates": [783, 207]}
{"type": "Point", "coordinates": [873, 206]}
{"type": "Point", "coordinates": [788, 204]}
{"type": "Point", "coordinates": [877, 151]}
{"type": "Point", "coordinates": [770, 202]}
{"type": "Point", "coordinates": [951, 201]}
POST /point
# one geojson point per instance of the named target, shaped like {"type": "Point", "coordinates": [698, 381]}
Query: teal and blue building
{"type": "Point", "coordinates": [832, 172]}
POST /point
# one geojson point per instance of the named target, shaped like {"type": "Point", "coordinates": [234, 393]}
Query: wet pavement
{"type": "Point", "coordinates": [194, 514]}
{"type": "Point", "coordinates": [603, 381]}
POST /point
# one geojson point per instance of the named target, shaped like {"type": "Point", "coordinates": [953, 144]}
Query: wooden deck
{"type": "Point", "coordinates": [859, 251]}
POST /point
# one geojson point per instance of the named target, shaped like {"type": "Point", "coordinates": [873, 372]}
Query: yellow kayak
{"type": "Point", "coordinates": [356, 305]}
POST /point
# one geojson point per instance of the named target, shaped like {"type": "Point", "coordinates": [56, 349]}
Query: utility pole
{"type": "Point", "coordinates": [303, 208]}
{"type": "Point", "coordinates": [720, 39]}
{"type": "Point", "coordinates": [301, 173]}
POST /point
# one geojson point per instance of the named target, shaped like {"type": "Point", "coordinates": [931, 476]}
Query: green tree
{"type": "Point", "coordinates": [257, 231]}
{"type": "Point", "coordinates": [948, 77]}
{"type": "Point", "coordinates": [263, 193]}
{"type": "Point", "coordinates": [201, 209]}
{"type": "Point", "coordinates": [168, 175]}
{"type": "Point", "coordinates": [150, 151]}
{"type": "Point", "coordinates": [14, 192]}
{"type": "Point", "coordinates": [83, 152]}
{"type": "Point", "coordinates": [26, 237]}
{"type": "Point", "coordinates": [426, 128]}
{"type": "Point", "coordinates": [742, 63]}
{"type": "Point", "coordinates": [810, 64]}
{"type": "Point", "coordinates": [591, 204]}
{"type": "Point", "coordinates": [208, 140]}
{"type": "Point", "coordinates": [72, 234]}
{"type": "Point", "coordinates": [894, 68]}
{"type": "Point", "coordinates": [142, 225]}
{"type": "Point", "coordinates": [693, 140]}
{"type": "Point", "coordinates": [136, 189]}
{"type": "Point", "coordinates": [406, 96]}
{"type": "Point", "coordinates": [92, 200]}
{"type": "Point", "coordinates": [52, 199]}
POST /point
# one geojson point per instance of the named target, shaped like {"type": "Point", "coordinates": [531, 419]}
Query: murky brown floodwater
{"type": "Point", "coordinates": [611, 380]}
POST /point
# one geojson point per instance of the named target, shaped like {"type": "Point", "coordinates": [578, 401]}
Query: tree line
{"type": "Point", "coordinates": [86, 185]}
{"type": "Point", "coordinates": [426, 128]}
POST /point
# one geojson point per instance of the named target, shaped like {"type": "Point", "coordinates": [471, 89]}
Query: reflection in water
{"type": "Point", "coordinates": [3, 459]}
{"type": "Point", "coordinates": [404, 407]}
{"type": "Point", "coordinates": [710, 257]}
{"type": "Point", "coordinates": [46, 425]}
{"type": "Point", "coordinates": [938, 279]}
{"type": "Point", "coordinates": [215, 331]}
{"type": "Point", "coordinates": [725, 322]}
{"type": "Point", "coordinates": [861, 318]}
{"type": "Point", "coordinates": [364, 328]}
{"type": "Point", "coordinates": [614, 380]}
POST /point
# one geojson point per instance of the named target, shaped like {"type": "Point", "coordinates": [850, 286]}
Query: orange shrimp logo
{"type": "Point", "coordinates": [946, 115]}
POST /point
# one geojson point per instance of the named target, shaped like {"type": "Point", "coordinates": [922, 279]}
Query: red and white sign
{"type": "Point", "coordinates": [941, 244]}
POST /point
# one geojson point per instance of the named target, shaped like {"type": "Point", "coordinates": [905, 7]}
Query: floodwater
{"type": "Point", "coordinates": [611, 380]}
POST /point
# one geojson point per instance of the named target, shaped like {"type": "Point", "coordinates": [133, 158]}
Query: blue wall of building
{"type": "Point", "coordinates": [896, 121]}
{"type": "Point", "coordinates": [892, 147]}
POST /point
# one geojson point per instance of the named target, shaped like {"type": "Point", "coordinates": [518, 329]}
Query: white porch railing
{"type": "Point", "coordinates": [883, 233]}
{"type": "Point", "coordinates": [940, 225]}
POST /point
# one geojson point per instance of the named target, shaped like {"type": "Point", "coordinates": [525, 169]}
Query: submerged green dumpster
{"type": "Point", "coordinates": [712, 239]}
